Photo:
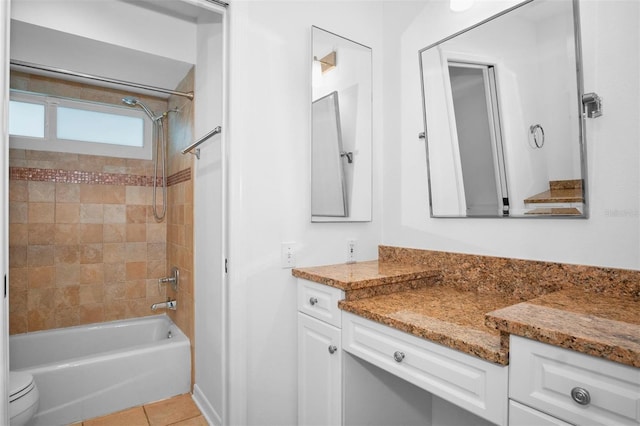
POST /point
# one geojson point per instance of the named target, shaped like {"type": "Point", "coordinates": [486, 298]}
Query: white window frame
{"type": "Point", "coordinates": [51, 143]}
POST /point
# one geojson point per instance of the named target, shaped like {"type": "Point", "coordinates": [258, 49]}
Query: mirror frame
{"type": "Point", "coordinates": [582, 140]}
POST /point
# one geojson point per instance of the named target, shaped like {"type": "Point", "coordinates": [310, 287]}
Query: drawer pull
{"type": "Point", "coordinates": [332, 349]}
{"type": "Point", "coordinates": [581, 396]}
{"type": "Point", "coordinates": [313, 300]}
{"type": "Point", "coordinates": [398, 356]}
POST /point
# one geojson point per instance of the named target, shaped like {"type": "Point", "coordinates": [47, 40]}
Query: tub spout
{"type": "Point", "coordinates": [169, 304]}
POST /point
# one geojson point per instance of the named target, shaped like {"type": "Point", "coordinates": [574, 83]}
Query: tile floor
{"type": "Point", "coordinates": [176, 411]}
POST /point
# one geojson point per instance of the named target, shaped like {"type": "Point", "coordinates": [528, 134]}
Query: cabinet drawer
{"type": "Point", "coordinates": [478, 386]}
{"type": "Point", "coordinates": [320, 301]}
{"type": "Point", "coordinates": [521, 415]}
{"type": "Point", "coordinates": [543, 376]}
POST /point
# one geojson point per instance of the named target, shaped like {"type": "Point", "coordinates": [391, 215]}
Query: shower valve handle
{"type": "Point", "coordinates": [174, 279]}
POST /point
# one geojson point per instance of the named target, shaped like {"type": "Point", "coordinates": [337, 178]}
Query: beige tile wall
{"type": "Point", "coordinates": [80, 253]}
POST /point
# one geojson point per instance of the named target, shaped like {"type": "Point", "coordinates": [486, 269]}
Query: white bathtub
{"type": "Point", "coordinates": [92, 370]}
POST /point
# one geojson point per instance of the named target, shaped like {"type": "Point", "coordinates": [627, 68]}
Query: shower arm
{"type": "Point", "coordinates": [199, 141]}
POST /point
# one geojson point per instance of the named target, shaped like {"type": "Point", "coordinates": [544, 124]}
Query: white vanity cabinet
{"type": "Point", "coordinates": [475, 385]}
{"type": "Point", "coordinates": [319, 355]}
{"type": "Point", "coordinates": [561, 385]}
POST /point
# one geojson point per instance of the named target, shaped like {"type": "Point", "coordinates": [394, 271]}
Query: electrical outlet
{"type": "Point", "coordinates": [352, 251]}
{"type": "Point", "coordinates": [288, 255]}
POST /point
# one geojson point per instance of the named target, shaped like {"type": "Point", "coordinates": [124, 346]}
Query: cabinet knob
{"type": "Point", "coordinates": [398, 356]}
{"type": "Point", "coordinates": [581, 396]}
{"type": "Point", "coordinates": [332, 349]}
{"type": "Point", "coordinates": [313, 300]}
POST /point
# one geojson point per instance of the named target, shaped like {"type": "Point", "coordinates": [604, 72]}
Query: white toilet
{"type": "Point", "coordinates": [23, 398]}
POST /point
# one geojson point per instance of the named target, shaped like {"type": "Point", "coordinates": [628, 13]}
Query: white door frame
{"type": "Point", "coordinates": [5, 15]}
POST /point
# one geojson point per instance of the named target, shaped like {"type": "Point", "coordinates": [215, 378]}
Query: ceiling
{"type": "Point", "coordinates": [46, 46]}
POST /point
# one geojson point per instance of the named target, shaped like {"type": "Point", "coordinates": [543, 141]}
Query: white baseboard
{"type": "Point", "coordinates": [209, 413]}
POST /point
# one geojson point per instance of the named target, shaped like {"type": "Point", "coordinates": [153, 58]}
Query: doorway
{"type": "Point", "coordinates": [477, 116]}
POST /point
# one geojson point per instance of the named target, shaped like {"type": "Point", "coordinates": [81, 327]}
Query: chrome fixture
{"type": "Point", "coordinates": [537, 135]}
{"type": "Point", "coordinates": [173, 279]}
{"type": "Point", "coordinates": [592, 105]}
{"type": "Point", "coordinates": [581, 396]}
{"type": "Point", "coordinates": [199, 141]}
{"type": "Point", "coordinates": [398, 356]}
{"type": "Point", "coordinates": [133, 101]}
{"type": "Point", "coordinates": [99, 78]}
{"type": "Point", "coordinates": [161, 150]}
{"type": "Point", "coordinates": [169, 304]}
{"type": "Point", "coordinates": [347, 154]}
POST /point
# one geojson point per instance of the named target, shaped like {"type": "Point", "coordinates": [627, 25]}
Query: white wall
{"type": "Point", "coordinates": [610, 237]}
{"type": "Point", "coordinates": [269, 193]}
{"type": "Point", "coordinates": [209, 234]}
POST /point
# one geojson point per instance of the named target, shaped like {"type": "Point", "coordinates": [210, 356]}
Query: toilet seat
{"type": "Point", "coordinates": [23, 398]}
{"type": "Point", "coordinates": [20, 384]}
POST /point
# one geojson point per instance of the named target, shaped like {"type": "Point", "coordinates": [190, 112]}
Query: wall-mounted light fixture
{"type": "Point", "coordinates": [460, 5]}
{"type": "Point", "coordinates": [328, 62]}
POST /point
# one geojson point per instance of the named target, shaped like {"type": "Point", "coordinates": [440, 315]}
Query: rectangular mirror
{"type": "Point", "coordinates": [341, 132]}
{"type": "Point", "coordinates": [504, 127]}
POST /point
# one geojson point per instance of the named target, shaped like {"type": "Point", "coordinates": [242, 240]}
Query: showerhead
{"type": "Point", "coordinates": [132, 101]}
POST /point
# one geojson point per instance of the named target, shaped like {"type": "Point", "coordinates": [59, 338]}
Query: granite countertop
{"type": "Point", "coordinates": [451, 317]}
{"type": "Point", "coordinates": [370, 278]}
{"type": "Point", "coordinates": [606, 326]}
{"type": "Point", "coordinates": [416, 300]}
{"type": "Point", "coordinates": [570, 195]}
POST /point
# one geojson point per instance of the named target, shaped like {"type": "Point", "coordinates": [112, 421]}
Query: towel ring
{"type": "Point", "coordinates": [537, 135]}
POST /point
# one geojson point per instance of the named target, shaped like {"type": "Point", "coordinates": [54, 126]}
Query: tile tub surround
{"type": "Point", "coordinates": [452, 309]}
{"type": "Point", "coordinates": [82, 248]}
{"type": "Point", "coordinates": [81, 251]}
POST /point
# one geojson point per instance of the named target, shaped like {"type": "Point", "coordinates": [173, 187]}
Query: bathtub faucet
{"type": "Point", "coordinates": [173, 279]}
{"type": "Point", "coordinates": [169, 304]}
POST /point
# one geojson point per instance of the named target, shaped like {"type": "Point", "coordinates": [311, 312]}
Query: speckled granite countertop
{"type": "Point", "coordinates": [606, 326]}
{"type": "Point", "coordinates": [370, 278]}
{"type": "Point", "coordinates": [445, 315]}
{"type": "Point", "coordinates": [436, 301]}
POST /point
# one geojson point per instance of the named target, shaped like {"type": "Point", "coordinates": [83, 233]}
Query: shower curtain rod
{"type": "Point", "coordinates": [102, 79]}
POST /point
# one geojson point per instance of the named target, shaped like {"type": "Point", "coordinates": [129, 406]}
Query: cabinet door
{"type": "Point", "coordinates": [319, 373]}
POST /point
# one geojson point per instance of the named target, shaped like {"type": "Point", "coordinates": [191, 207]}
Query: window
{"type": "Point", "coordinates": [26, 119]}
{"type": "Point", "coordinates": [47, 123]}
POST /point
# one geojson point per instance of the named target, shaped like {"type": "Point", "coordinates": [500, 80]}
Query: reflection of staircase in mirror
{"type": "Point", "coordinates": [563, 198]}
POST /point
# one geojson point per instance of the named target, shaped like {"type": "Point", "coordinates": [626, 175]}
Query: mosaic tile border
{"type": "Point", "coordinates": [179, 177]}
{"type": "Point", "coordinates": [93, 178]}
